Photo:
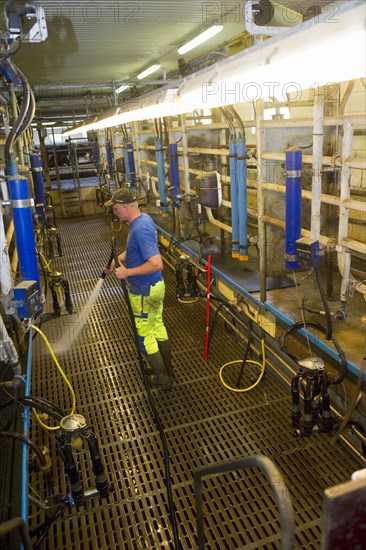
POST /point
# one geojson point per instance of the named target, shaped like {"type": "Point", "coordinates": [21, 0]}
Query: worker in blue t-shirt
{"type": "Point", "coordinates": [142, 265]}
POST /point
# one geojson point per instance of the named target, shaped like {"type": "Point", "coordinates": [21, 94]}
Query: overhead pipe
{"type": "Point", "coordinates": [174, 174]}
{"type": "Point", "coordinates": [37, 172]}
{"type": "Point", "coordinates": [159, 155]}
{"type": "Point", "coordinates": [293, 205]}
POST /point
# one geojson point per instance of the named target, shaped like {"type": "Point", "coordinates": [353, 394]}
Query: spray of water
{"type": "Point", "coordinates": [78, 322]}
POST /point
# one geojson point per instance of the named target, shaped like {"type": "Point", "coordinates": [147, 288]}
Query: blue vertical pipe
{"type": "Point", "coordinates": [160, 168]}
{"type": "Point", "coordinates": [131, 164]}
{"type": "Point", "coordinates": [234, 198]}
{"type": "Point", "coordinates": [39, 194]}
{"type": "Point", "coordinates": [174, 174]}
{"type": "Point", "coordinates": [110, 160]}
{"type": "Point", "coordinates": [96, 156]}
{"type": "Point", "coordinates": [127, 163]}
{"type": "Point", "coordinates": [293, 205]}
{"type": "Point", "coordinates": [26, 425]}
{"type": "Point", "coordinates": [242, 197]}
{"type": "Point", "coordinates": [23, 227]}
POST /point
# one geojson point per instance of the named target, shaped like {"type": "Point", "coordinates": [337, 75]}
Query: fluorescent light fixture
{"type": "Point", "coordinates": [122, 88]}
{"type": "Point", "coordinates": [310, 55]}
{"type": "Point", "coordinates": [200, 39]}
{"type": "Point", "coordinates": [313, 54]}
{"type": "Point", "coordinates": [148, 71]}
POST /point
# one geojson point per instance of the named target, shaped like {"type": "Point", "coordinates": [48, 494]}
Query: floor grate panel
{"type": "Point", "coordinates": [204, 424]}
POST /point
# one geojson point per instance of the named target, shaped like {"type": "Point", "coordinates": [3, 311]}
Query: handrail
{"type": "Point", "coordinates": [276, 482]}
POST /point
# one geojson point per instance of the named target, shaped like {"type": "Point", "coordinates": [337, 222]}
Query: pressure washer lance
{"type": "Point", "coordinates": [73, 431]}
{"type": "Point", "coordinates": [111, 258]}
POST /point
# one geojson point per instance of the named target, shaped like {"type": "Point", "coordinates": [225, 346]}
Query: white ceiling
{"type": "Point", "coordinates": [91, 43]}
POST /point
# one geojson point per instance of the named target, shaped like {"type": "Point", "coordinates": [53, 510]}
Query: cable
{"type": "Point", "coordinates": [25, 439]}
{"type": "Point", "coordinates": [262, 366]}
{"type": "Point", "coordinates": [63, 376]}
{"type": "Point", "coordinates": [341, 354]}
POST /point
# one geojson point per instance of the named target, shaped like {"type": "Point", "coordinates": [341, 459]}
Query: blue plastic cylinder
{"type": "Point", "coordinates": [160, 168]}
{"type": "Point", "coordinates": [293, 205]}
{"type": "Point", "coordinates": [174, 174]}
{"type": "Point", "coordinates": [39, 194]}
{"type": "Point", "coordinates": [242, 198]}
{"type": "Point", "coordinates": [96, 156]}
{"type": "Point", "coordinates": [110, 161]}
{"type": "Point", "coordinates": [234, 198]}
{"type": "Point", "coordinates": [131, 164]}
{"type": "Point", "coordinates": [23, 228]}
{"type": "Point", "coordinates": [127, 162]}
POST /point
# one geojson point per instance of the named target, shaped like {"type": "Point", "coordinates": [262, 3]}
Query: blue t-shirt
{"type": "Point", "coordinates": [142, 244]}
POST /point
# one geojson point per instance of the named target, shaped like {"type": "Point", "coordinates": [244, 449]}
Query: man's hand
{"type": "Point", "coordinates": [121, 272]}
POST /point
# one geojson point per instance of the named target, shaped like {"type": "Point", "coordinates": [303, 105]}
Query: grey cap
{"type": "Point", "coordinates": [121, 196]}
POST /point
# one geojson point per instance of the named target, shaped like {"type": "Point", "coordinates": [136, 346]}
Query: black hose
{"type": "Point", "coordinates": [25, 439]}
{"type": "Point", "coordinates": [39, 403]}
{"type": "Point", "coordinates": [10, 425]}
{"type": "Point", "coordinates": [4, 54]}
{"type": "Point", "coordinates": [325, 304]}
{"type": "Point", "coordinates": [153, 408]}
{"type": "Point", "coordinates": [19, 122]}
{"type": "Point", "coordinates": [31, 110]}
{"type": "Point", "coordinates": [341, 354]}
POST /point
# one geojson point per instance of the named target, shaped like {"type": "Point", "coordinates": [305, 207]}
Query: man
{"type": "Point", "coordinates": [142, 265]}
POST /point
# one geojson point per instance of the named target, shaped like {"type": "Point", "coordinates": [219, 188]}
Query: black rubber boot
{"type": "Point", "coordinates": [159, 377]}
{"type": "Point", "coordinates": [166, 352]}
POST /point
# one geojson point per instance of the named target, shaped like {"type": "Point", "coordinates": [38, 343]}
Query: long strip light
{"type": "Point", "coordinates": [315, 53]}
{"type": "Point", "coordinates": [122, 88]}
{"type": "Point", "coordinates": [148, 71]}
{"type": "Point", "coordinates": [200, 39]}
{"type": "Point", "coordinates": [310, 55]}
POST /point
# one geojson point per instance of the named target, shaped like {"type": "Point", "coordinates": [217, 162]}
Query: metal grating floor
{"type": "Point", "coordinates": [204, 423]}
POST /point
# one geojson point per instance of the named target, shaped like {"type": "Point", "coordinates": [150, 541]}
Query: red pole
{"type": "Point", "coordinates": [208, 304]}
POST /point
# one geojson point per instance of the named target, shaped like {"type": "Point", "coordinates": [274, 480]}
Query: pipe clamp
{"type": "Point", "coordinates": [293, 173]}
{"type": "Point", "coordinates": [22, 203]}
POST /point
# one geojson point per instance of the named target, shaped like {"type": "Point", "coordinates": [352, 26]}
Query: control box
{"type": "Point", "coordinates": [308, 251]}
{"type": "Point", "coordinates": [27, 299]}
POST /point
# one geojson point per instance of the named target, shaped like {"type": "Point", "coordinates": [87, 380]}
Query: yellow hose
{"type": "Point", "coordinates": [262, 366]}
{"type": "Point", "coordinates": [46, 264]}
{"type": "Point", "coordinates": [188, 301]}
{"type": "Point", "coordinates": [63, 376]}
